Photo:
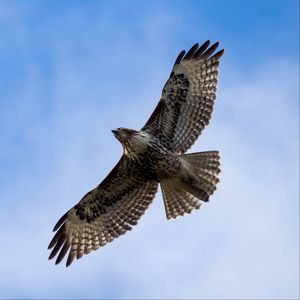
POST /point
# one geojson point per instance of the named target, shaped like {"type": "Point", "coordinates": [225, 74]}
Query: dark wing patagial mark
{"type": "Point", "coordinates": [104, 213]}
{"type": "Point", "coordinates": [167, 112]}
{"type": "Point", "coordinates": [187, 98]}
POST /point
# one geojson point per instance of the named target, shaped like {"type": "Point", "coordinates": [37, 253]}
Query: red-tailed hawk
{"type": "Point", "coordinates": [154, 155]}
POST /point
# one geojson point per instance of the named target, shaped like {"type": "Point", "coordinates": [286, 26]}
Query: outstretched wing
{"type": "Point", "coordinates": [187, 98]}
{"type": "Point", "coordinates": [104, 213]}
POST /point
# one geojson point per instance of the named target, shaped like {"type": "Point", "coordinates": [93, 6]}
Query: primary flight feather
{"type": "Point", "coordinates": [154, 155]}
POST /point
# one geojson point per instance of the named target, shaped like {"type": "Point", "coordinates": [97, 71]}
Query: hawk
{"type": "Point", "coordinates": [151, 156]}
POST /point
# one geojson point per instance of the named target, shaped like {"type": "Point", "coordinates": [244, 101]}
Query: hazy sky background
{"type": "Point", "coordinates": [70, 71]}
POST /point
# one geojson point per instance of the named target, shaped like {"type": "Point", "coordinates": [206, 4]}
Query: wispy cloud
{"type": "Point", "coordinates": [243, 244]}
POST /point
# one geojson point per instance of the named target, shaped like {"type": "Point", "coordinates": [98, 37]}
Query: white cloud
{"type": "Point", "coordinates": [244, 243]}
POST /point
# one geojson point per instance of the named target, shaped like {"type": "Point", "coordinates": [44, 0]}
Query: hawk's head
{"type": "Point", "coordinates": [132, 141]}
{"type": "Point", "coordinates": [123, 134]}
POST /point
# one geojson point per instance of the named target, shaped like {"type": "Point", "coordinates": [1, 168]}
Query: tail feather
{"type": "Point", "coordinates": [206, 166]}
{"type": "Point", "coordinates": [177, 202]}
{"type": "Point", "coordinates": [209, 160]}
{"type": "Point", "coordinates": [182, 196]}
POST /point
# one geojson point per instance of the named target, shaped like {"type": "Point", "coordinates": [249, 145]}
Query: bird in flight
{"type": "Point", "coordinates": [151, 156]}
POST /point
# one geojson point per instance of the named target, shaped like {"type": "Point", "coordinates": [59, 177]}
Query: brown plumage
{"type": "Point", "coordinates": [153, 155]}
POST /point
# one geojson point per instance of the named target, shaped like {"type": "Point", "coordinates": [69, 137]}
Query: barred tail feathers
{"type": "Point", "coordinates": [177, 201]}
{"type": "Point", "coordinates": [205, 165]}
{"type": "Point", "coordinates": [183, 196]}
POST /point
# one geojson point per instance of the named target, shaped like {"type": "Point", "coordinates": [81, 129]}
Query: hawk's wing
{"type": "Point", "coordinates": [104, 213]}
{"type": "Point", "coordinates": [187, 98]}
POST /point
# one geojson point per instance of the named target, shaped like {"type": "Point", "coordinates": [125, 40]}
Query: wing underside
{"type": "Point", "coordinates": [106, 212]}
{"type": "Point", "coordinates": [187, 99]}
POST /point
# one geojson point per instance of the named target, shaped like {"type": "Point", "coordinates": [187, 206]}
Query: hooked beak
{"type": "Point", "coordinates": [116, 134]}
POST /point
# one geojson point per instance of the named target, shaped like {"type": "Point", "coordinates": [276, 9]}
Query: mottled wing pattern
{"type": "Point", "coordinates": [187, 98]}
{"type": "Point", "coordinates": [104, 213]}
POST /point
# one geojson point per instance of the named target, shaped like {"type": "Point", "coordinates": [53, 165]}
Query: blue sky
{"type": "Point", "coordinates": [73, 70]}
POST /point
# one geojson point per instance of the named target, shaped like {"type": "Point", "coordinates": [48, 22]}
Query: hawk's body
{"type": "Point", "coordinates": [153, 155]}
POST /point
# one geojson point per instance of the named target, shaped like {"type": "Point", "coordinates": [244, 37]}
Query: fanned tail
{"type": "Point", "coordinates": [177, 201]}
{"type": "Point", "coordinates": [182, 196]}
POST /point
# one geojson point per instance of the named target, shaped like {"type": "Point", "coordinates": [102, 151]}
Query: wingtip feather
{"type": "Point", "coordinates": [58, 245]}
{"type": "Point", "coordinates": [218, 54]}
{"type": "Point", "coordinates": [63, 252]}
{"type": "Point", "coordinates": [210, 50]}
{"type": "Point", "coordinates": [179, 57]}
{"type": "Point", "coordinates": [70, 259]}
{"type": "Point", "coordinates": [60, 221]}
{"type": "Point", "coordinates": [191, 52]}
{"type": "Point", "coordinates": [56, 237]}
